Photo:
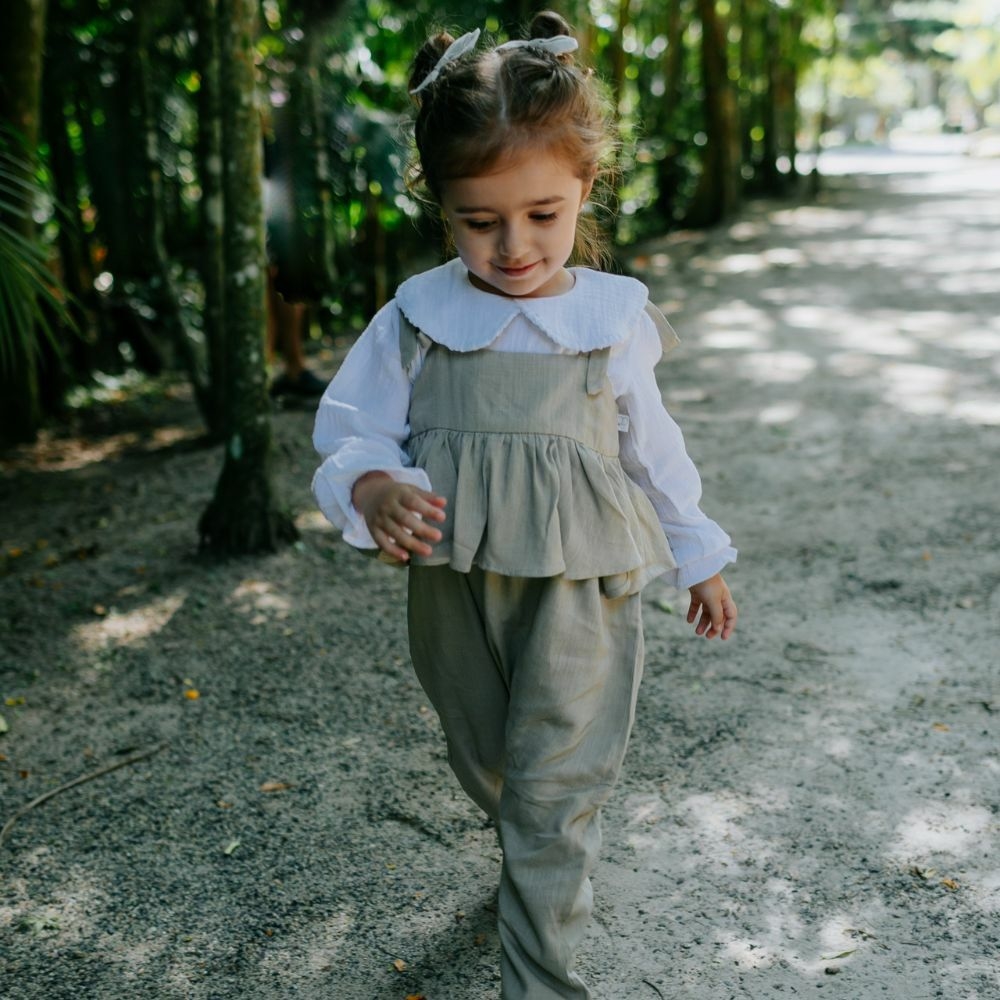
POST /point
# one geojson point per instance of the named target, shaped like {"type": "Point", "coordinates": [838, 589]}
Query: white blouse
{"type": "Point", "coordinates": [361, 425]}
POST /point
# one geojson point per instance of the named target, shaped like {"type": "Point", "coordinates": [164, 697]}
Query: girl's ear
{"type": "Point", "coordinates": [588, 186]}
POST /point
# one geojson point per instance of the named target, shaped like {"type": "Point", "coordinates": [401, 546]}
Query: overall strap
{"type": "Point", "coordinates": [597, 370]}
{"type": "Point", "coordinates": [668, 337]}
{"type": "Point", "coordinates": [411, 342]}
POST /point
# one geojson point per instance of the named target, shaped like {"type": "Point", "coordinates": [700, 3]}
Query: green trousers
{"type": "Point", "coordinates": [535, 683]}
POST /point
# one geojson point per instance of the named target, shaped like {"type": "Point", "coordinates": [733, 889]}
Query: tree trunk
{"type": "Point", "coordinates": [619, 57]}
{"type": "Point", "coordinates": [21, 46]}
{"type": "Point", "coordinates": [243, 516]}
{"type": "Point", "coordinates": [770, 179]}
{"type": "Point", "coordinates": [163, 292]}
{"type": "Point", "coordinates": [786, 100]}
{"type": "Point", "coordinates": [669, 174]}
{"type": "Point", "coordinates": [718, 192]}
{"type": "Point", "coordinates": [213, 258]}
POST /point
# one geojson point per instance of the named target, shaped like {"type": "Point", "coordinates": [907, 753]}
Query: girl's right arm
{"type": "Point", "coordinates": [361, 426]}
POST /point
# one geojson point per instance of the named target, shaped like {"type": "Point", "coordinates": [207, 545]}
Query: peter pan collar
{"type": "Point", "coordinates": [601, 310]}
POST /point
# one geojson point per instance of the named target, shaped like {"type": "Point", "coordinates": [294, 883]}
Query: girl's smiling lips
{"type": "Point", "coordinates": [516, 272]}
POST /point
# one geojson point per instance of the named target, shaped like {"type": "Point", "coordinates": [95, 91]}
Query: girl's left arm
{"type": "Point", "coordinates": [654, 456]}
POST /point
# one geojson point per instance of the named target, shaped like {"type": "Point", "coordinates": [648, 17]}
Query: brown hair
{"type": "Point", "coordinates": [489, 106]}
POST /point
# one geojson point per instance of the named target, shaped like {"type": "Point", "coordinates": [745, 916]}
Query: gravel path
{"type": "Point", "coordinates": [808, 810]}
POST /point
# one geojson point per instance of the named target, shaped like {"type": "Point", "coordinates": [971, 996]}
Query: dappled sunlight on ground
{"type": "Point", "coordinates": [66, 915]}
{"type": "Point", "coordinates": [902, 304]}
{"type": "Point", "coordinates": [56, 453]}
{"type": "Point", "coordinates": [125, 628]}
{"type": "Point", "coordinates": [950, 828]}
{"type": "Point", "coordinates": [313, 520]}
{"type": "Point", "coordinates": [260, 601]}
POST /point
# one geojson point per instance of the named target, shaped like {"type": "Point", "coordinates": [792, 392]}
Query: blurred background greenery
{"type": "Point", "coordinates": [116, 139]}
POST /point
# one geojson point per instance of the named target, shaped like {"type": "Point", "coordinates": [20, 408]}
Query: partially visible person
{"type": "Point", "coordinates": [288, 313]}
{"type": "Point", "coordinates": [287, 328]}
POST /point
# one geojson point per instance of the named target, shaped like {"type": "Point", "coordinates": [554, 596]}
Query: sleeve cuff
{"type": "Point", "coordinates": [700, 569]}
{"type": "Point", "coordinates": [334, 500]}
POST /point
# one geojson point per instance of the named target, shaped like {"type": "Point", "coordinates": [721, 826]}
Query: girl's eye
{"type": "Point", "coordinates": [549, 217]}
{"type": "Point", "coordinates": [479, 225]}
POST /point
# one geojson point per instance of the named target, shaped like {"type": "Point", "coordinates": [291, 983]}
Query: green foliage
{"type": "Point", "coordinates": [31, 299]}
{"type": "Point", "coordinates": [796, 69]}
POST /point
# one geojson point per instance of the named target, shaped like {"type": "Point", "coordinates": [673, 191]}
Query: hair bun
{"type": "Point", "coordinates": [548, 24]}
{"type": "Point", "coordinates": [427, 58]}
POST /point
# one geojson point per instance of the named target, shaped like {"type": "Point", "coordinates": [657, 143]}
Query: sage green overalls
{"type": "Point", "coordinates": [525, 627]}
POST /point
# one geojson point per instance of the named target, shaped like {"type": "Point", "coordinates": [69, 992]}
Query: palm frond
{"type": "Point", "coordinates": [30, 294]}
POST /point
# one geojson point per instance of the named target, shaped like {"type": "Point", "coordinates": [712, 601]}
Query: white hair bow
{"type": "Point", "coordinates": [454, 51]}
{"type": "Point", "coordinates": [557, 45]}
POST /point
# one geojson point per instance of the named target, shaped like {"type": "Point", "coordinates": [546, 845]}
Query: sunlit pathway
{"type": "Point", "coordinates": [812, 810]}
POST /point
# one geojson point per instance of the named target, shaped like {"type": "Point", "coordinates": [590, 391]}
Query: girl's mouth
{"type": "Point", "coordinates": [517, 272]}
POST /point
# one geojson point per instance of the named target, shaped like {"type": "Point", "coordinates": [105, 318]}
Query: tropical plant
{"type": "Point", "coordinates": [32, 300]}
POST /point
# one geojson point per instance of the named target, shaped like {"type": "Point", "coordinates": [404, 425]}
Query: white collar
{"type": "Point", "coordinates": [599, 311]}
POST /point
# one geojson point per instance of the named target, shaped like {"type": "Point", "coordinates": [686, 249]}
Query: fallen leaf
{"type": "Point", "coordinates": [15, 553]}
{"type": "Point", "coordinates": [665, 606]}
{"type": "Point", "coordinates": [415, 996]}
{"type": "Point", "coordinates": [949, 883]}
{"type": "Point", "coordinates": [941, 727]}
{"type": "Point", "coordinates": [399, 965]}
{"type": "Point", "coordinates": [843, 954]}
{"type": "Point", "coordinates": [275, 786]}
{"type": "Point", "coordinates": [479, 940]}
{"type": "Point", "coordinates": [3, 725]}
{"type": "Point", "coordinates": [223, 804]}
{"type": "Point", "coordinates": [14, 702]}
{"type": "Point", "coordinates": [192, 694]}
{"type": "Point", "coordinates": [100, 610]}
{"type": "Point", "coordinates": [230, 847]}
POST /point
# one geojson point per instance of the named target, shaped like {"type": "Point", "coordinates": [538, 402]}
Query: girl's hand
{"type": "Point", "coordinates": [397, 514]}
{"type": "Point", "coordinates": [718, 609]}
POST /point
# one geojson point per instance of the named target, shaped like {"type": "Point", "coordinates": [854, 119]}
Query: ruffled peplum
{"type": "Point", "coordinates": [524, 448]}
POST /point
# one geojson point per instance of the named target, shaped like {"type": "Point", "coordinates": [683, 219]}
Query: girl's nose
{"type": "Point", "coordinates": [512, 242]}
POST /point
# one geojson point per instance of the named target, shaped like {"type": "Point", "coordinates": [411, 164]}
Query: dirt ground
{"type": "Point", "coordinates": [808, 810]}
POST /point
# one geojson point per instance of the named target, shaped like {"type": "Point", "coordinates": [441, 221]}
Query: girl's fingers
{"type": "Point", "coordinates": [427, 505]}
{"type": "Point", "coordinates": [388, 545]}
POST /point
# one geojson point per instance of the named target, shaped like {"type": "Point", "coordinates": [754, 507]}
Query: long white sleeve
{"type": "Point", "coordinates": [653, 455]}
{"type": "Point", "coordinates": [361, 425]}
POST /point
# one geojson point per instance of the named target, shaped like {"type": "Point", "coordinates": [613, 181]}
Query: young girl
{"type": "Point", "coordinates": [499, 428]}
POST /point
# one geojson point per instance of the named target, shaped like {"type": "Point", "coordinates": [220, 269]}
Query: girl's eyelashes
{"type": "Point", "coordinates": [481, 225]}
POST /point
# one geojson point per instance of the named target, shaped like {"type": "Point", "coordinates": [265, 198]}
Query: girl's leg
{"type": "Point", "coordinates": [574, 660]}
{"type": "Point", "coordinates": [535, 683]}
{"type": "Point", "coordinates": [462, 677]}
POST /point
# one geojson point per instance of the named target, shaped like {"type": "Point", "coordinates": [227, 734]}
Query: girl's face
{"type": "Point", "coordinates": [514, 229]}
